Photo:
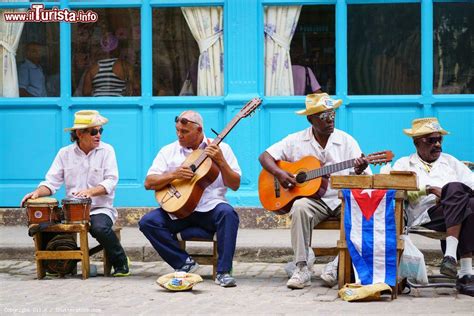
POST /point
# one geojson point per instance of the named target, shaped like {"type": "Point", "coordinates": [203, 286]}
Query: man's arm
{"type": "Point", "coordinates": [230, 177]}
{"type": "Point", "coordinates": [39, 192]}
{"type": "Point", "coordinates": [158, 181]}
{"type": "Point", "coordinates": [285, 178]}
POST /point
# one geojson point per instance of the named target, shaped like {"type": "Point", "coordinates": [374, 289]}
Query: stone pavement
{"type": "Point", "coordinates": [261, 290]}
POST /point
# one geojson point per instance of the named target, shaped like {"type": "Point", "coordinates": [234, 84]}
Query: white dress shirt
{"type": "Point", "coordinates": [444, 170]}
{"type": "Point", "coordinates": [340, 147]}
{"type": "Point", "coordinates": [80, 172]}
{"type": "Point", "coordinates": [172, 156]}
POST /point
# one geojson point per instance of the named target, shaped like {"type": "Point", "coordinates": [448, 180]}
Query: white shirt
{"type": "Point", "coordinates": [80, 171]}
{"type": "Point", "coordinates": [172, 156]}
{"type": "Point", "coordinates": [445, 169]}
{"type": "Point", "coordinates": [340, 147]}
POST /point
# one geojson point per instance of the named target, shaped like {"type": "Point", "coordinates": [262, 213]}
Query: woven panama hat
{"type": "Point", "coordinates": [319, 102]}
{"type": "Point", "coordinates": [87, 118]}
{"type": "Point", "coordinates": [424, 126]}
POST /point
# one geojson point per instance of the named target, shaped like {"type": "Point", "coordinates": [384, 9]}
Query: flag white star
{"type": "Point", "coordinates": [368, 192]}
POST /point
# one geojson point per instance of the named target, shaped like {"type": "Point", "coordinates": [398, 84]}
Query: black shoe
{"type": "Point", "coordinates": [189, 266]}
{"type": "Point", "coordinates": [122, 271]}
{"type": "Point", "coordinates": [465, 285]}
{"type": "Point", "coordinates": [449, 267]}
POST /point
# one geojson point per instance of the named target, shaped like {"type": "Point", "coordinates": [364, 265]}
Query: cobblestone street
{"type": "Point", "coordinates": [261, 290]}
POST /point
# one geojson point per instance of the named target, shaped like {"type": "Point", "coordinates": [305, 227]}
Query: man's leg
{"type": "Point", "coordinates": [224, 220]}
{"type": "Point", "coordinates": [305, 214]}
{"type": "Point", "coordinates": [159, 229]}
{"type": "Point", "coordinates": [101, 229]}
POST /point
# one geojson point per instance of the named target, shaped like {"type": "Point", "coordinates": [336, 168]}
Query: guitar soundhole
{"type": "Point", "coordinates": [301, 177]}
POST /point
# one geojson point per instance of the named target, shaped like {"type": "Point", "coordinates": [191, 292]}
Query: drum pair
{"type": "Point", "coordinates": [46, 209]}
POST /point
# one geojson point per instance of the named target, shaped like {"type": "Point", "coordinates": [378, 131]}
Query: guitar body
{"type": "Point", "coordinates": [180, 197]}
{"type": "Point", "coordinates": [282, 204]}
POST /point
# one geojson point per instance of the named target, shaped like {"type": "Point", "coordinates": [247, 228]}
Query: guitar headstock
{"type": "Point", "coordinates": [250, 107]}
{"type": "Point", "coordinates": [381, 157]}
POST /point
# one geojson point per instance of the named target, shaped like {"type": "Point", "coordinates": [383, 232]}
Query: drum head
{"type": "Point", "coordinates": [42, 201]}
{"type": "Point", "coordinates": [76, 200]}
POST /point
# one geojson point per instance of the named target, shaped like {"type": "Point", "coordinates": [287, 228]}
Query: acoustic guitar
{"type": "Point", "coordinates": [180, 197]}
{"type": "Point", "coordinates": [311, 180]}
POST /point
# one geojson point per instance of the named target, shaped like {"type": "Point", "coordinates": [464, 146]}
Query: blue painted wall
{"type": "Point", "coordinates": [31, 129]}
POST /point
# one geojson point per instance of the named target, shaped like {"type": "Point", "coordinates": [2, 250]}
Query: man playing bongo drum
{"type": "Point", "coordinates": [89, 170]}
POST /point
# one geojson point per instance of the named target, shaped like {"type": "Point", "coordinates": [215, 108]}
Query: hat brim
{"type": "Point", "coordinates": [409, 132]}
{"type": "Point", "coordinates": [315, 110]}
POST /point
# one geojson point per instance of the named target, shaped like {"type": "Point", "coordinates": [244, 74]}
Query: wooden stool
{"type": "Point", "coordinates": [105, 259]}
{"type": "Point", "coordinates": [332, 223]}
{"type": "Point", "coordinates": [205, 259]}
{"type": "Point", "coordinates": [83, 254]}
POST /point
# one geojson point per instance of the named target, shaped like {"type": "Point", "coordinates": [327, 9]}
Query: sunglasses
{"type": "Point", "coordinates": [327, 115]}
{"type": "Point", "coordinates": [432, 140]}
{"type": "Point", "coordinates": [94, 131]}
{"type": "Point", "coordinates": [184, 120]}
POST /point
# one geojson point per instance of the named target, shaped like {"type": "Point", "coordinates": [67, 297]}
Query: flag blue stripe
{"type": "Point", "coordinates": [368, 248]}
{"type": "Point", "coordinates": [390, 239]}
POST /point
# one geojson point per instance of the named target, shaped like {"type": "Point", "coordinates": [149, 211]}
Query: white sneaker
{"type": "Point", "coordinates": [329, 274]}
{"type": "Point", "coordinates": [300, 278]}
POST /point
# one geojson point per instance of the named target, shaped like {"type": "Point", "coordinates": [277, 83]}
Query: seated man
{"type": "Point", "coordinates": [330, 146]}
{"type": "Point", "coordinates": [445, 201]}
{"type": "Point", "coordinates": [212, 212]}
{"type": "Point", "coordinates": [89, 170]}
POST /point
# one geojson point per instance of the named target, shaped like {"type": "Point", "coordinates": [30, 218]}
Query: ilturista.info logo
{"type": "Point", "coordinates": [37, 13]}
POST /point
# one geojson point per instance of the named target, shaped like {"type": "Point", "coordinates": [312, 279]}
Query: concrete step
{"type": "Point", "coordinates": [253, 245]}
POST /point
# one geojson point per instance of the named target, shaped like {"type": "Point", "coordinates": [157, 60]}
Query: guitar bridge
{"type": "Point", "coordinates": [172, 190]}
{"type": "Point", "coordinates": [277, 187]}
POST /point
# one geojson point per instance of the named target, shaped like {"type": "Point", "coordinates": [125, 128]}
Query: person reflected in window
{"type": "Point", "coordinates": [304, 80]}
{"type": "Point", "coordinates": [110, 76]}
{"type": "Point", "coordinates": [31, 80]}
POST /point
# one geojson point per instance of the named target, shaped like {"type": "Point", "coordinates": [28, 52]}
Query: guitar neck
{"type": "Point", "coordinates": [316, 173]}
{"type": "Point", "coordinates": [216, 141]}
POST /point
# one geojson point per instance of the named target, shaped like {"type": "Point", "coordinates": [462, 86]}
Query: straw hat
{"type": "Point", "coordinates": [424, 126]}
{"type": "Point", "coordinates": [319, 102]}
{"type": "Point", "coordinates": [178, 281]}
{"type": "Point", "coordinates": [87, 118]}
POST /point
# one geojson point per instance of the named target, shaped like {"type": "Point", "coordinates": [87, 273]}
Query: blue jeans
{"type": "Point", "coordinates": [160, 230]}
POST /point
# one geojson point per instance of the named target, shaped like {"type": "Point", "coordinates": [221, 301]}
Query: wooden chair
{"type": "Point", "coordinates": [83, 254]}
{"type": "Point", "coordinates": [200, 235]}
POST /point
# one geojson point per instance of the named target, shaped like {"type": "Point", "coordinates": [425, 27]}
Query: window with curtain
{"type": "Point", "coordinates": [106, 57]}
{"type": "Point", "coordinates": [383, 49]}
{"type": "Point", "coordinates": [313, 52]}
{"type": "Point", "coordinates": [453, 48]}
{"type": "Point", "coordinates": [188, 51]}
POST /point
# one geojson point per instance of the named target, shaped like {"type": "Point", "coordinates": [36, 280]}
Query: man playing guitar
{"type": "Point", "coordinates": [329, 145]}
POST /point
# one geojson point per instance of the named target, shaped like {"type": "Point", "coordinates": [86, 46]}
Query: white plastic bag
{"type": "Point", "coordinates": [412, 264]}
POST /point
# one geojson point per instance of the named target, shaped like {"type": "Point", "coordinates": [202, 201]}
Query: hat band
{"type": "Point", "coordinates": [82, 121]}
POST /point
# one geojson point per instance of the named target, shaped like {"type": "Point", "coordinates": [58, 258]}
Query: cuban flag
{"type": "Point", "coordinates": [369, 221]}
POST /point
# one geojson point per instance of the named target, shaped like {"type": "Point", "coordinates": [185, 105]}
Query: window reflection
{"type": "Point", "coordinates": [384, 49]}
{"type": "Point", "coordinates": [106, 54]}
{"type": "Point", "coordinates": [453, 48]}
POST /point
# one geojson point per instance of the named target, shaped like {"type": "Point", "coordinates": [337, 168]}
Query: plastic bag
{"type": "Point", "coordinates": [290, 267]}
{"type": "Point", "coordinates": [412, 264]}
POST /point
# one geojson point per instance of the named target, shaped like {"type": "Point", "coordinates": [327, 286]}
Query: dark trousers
{"type": "Point", "coordinates": [101, 229]}
{"type": "Point", "coordinates": [456, 207]}
{"type": "Point", "coordinates": [160, 230]}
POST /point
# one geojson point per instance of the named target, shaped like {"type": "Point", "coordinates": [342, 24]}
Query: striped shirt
{"type": "Point", "coordinates": [105, 82]}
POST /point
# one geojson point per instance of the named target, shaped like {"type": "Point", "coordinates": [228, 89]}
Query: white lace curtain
{"type": "Point", "coordinates": [205, 24]}
{"type": "Point", "coordinates": [280, 25]}
{"type": "Point", "coordinates": [10, 34]}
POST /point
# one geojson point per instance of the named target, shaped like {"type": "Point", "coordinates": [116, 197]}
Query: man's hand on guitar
{"type": "Point", "coordinates": [286, 179]}
{"type": "Point", "coordinates": [183, 173]}
{"type": "Point", "coordinates": [360, 164]}
{"type": "Point", "coordinates": [215, 153]}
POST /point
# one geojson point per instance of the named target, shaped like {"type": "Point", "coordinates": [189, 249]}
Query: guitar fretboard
{"type": "Point", "coordinates": [316, 173]}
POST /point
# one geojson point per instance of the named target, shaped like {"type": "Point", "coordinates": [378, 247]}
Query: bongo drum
{"type": "Point", "coordinates": [76, 210]}
{"type": "Point", "coordinates": [41, 210]}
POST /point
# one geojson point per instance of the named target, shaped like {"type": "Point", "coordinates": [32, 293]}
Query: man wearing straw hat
{"type": "Point", "coordinates": [89, 170]}
{"type": "Point", "coordinates": [329, 145]}
{"type": "Point", "coordinates": [445, 201]}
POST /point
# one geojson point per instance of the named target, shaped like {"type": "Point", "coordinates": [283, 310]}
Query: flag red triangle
{"type": "Point", "coordinates": [368, 202]}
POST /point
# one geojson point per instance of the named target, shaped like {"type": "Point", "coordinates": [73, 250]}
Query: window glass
{"type": "Point", "coordinates": [313, 52]}
{"type": "Point", "coordinates": [453, 48]}
{"type": "Point", "coordinates": [383, 49]}
{"type": "Point", "coordinates": [37, 60]}
{"type": "Point", "coordinates": [175, 54]}
{"type": "Point", "coordinates": [106, 54]}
